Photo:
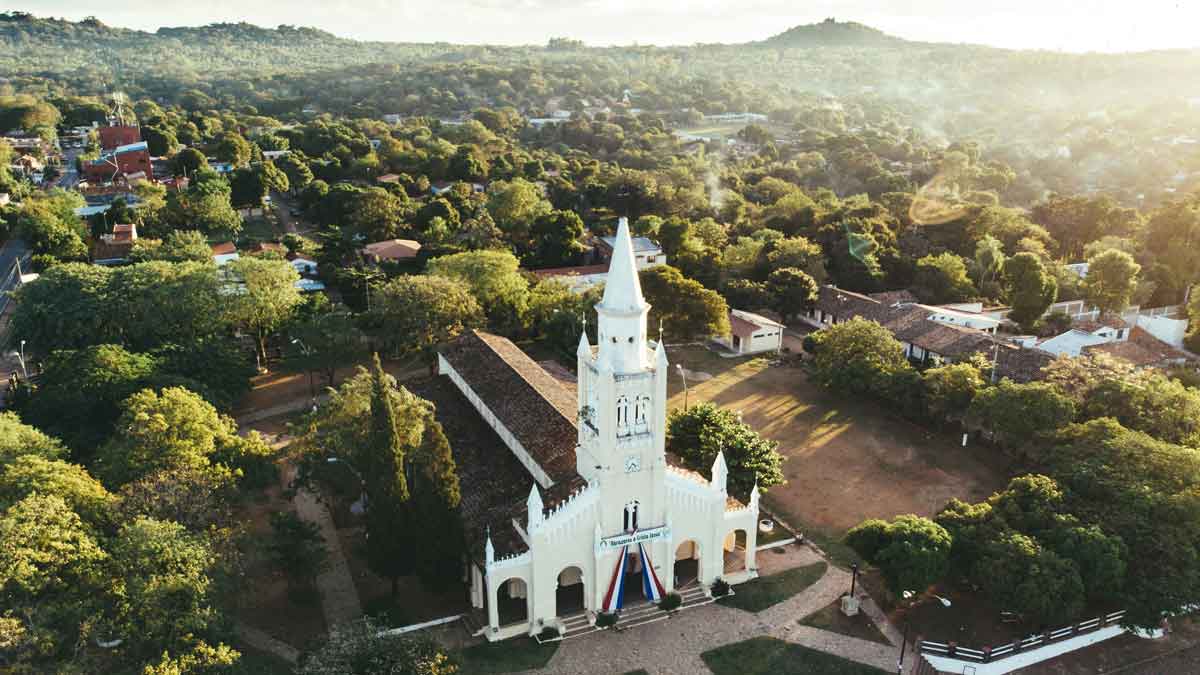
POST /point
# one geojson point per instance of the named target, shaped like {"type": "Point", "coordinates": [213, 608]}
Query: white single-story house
{"type": "Point", "coordinates": [752, 333]}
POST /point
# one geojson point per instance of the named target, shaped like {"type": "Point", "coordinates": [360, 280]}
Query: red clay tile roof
{"type": "Point", "coordinates": [911, 324]}
{"type": "Point", "coordinates": [224, 248]}
{"type": "Point", "coordinates": [580, 271]}
{"type": "Point", "coordinates": [393, 249]}
{"type": "Point", "coordinates": [493, 482]}
{"type": "Point", "coordinates": [893, 297]}
{"type": "Point", "coordinates": [538, 410]}
{"type": "Point", "coordinates": [1103, 322]}
{"type": "Point", "coordinates": [1141, 349]}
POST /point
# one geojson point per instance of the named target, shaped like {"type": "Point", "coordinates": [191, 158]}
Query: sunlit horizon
{"type": "Point", "coordinates": [1097, 26]}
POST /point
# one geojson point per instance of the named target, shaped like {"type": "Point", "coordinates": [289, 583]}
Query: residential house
{"type": "Point", "coordinates": [1086, 333]}
{"type": "Point", "coordinates": [930, 333]}
{"type": "Point", "coordinates": [752, 333]}
{"type": "Point", "coordinates": [1142, 349]}
{"type": "Point", "coordinates": [224, 253]}
{"type": "Point", "coordinates": [391, 250]}
{"type": "Point", "coordinates": [114, 248]}
{"type": "Point", "coordinates": [646, 251]}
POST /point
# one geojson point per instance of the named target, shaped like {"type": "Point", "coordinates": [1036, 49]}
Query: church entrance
{"type": "Point", "coordinates": [633, 585]}
{"type": "Point", "coordinates": [570, 593]}
{"type": "Point", "coordinates": [512, 601]}
{"type": "Point", "coordinates": [687, 563]}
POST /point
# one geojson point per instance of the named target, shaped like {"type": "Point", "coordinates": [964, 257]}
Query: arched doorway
{"type": "Point", "coordinates": [687, 563]}
{"type": "Point", "coordinates": [570, 594]}
{"type": "Point", "coordinates": [512, 601]}
{"type": "Point", "coordinates": [737, 559]}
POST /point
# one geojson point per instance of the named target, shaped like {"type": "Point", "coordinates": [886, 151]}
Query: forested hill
{"type": "Point", "coordinates": [30, 44]}
{"type": "Point", "coordinates": [831, 33]}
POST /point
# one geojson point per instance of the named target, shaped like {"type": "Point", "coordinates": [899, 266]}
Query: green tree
{"type": "Point", "coordinates": [1031, 289]}
{"type": "Point", "coordinates": [495, 280]}
{"type": "Point", "coordinates": [685, 308]}
{"type": "Point", "coordinates": [515, 205]}
{"type": "Point", "coordinates": [199, 658]}
{"type": "Point", "coordinates": [296, 170]}
{"type": "Point", "coordinates": [801, 254]}
{"type": "Point", "coordinates": [942, 279]}
{"type": "Point", "coordinates": [265, 298]}
{"type": "Point", "coordinates": [80, 392]}
{"type": "Point", "coordinates": [167, 430]}
{"type": "Point", "coordinates": [51, 570]}
{"type": "Point", "coordinates": [358, 649]}
{"type": "Point", "coordinates": [19, 439]}
{"type": "Point", "coordinates": [793, 291]}
{"type": "Point", "coordinates": [400, 451]}
{"type": "Point", "coordinates": [418, 313]}
{"type": "Point", "coordinates": [1017, 572]}
{"type": "Point", "coordinates": [31, 474]}
{"type": "Point", "coordinates": [557, 236]}
{"type": "Point", "coordinates": [233, 148]}
{"type": "Point", "coordinates": [950, 389]}
{"type": "Point", "coordinates": [1019, 413]}
{"type": "Point", "coordinates": [1111, 280]}
{"type": "Point", "coordinates": [699, 433]}
{"type": "Point", "coordinates": [857, 357]}
{"type": "Point", "coordinates": [188, 162]}
{"type": "Point", "coordinates": [912, 552]}
{"type": "Point", "coordinates": [323, 343]}
{"type": "Point", "coordinates": [185, 245]}
{"type": "Point", "coordinates": [65, 308]}
{"type": "Point", "coordinates": [297, 548]}
{"type": "Point", "coordinates": [205, 206]}
{"type": "Point", "coordinates": [166, 587]}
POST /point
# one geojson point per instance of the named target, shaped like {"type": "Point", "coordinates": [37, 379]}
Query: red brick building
{"type": "Point", "coordinates": [120, 161]}
{"type": "Point", "coordinates": [117, 135]}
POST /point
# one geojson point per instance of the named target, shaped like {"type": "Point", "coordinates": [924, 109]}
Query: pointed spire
{"type": "Point", "coordinates": [489, 551]}
{"type": "Point", "coordinates": [754, 496]}
{"type": "Point", "coordinates": [623, 290]}
{"type": "Point", "coordinates": [720, 473]}
{"type": "Point", "coordinates": [585, 347]}
{"type": "Point", "coordinates": [535, 507]}
{"type": "Point", "coordinates": [660, 354]}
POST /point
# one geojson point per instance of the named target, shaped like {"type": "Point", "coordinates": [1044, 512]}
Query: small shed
{"type": "Point", "coordinates": [752, 333]}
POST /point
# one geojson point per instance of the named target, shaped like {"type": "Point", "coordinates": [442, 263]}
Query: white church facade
{"type": "Point", "coordinates": [604, 522]}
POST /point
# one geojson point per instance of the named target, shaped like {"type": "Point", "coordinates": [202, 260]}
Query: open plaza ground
{"type": "Point", "coordinates": [837, 451]}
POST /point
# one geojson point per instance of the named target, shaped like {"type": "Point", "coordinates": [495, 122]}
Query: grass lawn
{"type": "Point", "coordinates": [509, 656]}
{"type": "Point", "coordinates": [830, 618]}
{"type": "Point", "coordinates": [845, 460]}
{"type": "Point", "coordinates": [768, 656]}
{"type": "Point", "coordinates": [763, 592]}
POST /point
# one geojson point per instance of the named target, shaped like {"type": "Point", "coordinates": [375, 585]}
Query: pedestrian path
{"type": "Point", "coordinates": [339, 597]}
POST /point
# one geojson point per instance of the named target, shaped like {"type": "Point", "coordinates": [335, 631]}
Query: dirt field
{"type": "Point", "coordinates": [845, 461]}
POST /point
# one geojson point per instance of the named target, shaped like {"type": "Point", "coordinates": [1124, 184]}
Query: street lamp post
{"type": "Point", "coordinates": [312, 390]}
{"type": "Point", "coordinates": [24, 370]}
{"type": "Point", "coordinates": [904, 642]}
{"type": "Point", "coordinates": [683, 375]}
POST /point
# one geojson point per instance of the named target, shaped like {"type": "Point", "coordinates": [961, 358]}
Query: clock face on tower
{"type": "Point", "coordinates": [633, 463]}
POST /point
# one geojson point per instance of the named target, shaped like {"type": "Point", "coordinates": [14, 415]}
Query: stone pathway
{"type": "Point", "coordinates": [265, 643]}
{"type": "Point", "coordinates": [339, 597]}
{"type": "Point", "coordinates": [674, 646]}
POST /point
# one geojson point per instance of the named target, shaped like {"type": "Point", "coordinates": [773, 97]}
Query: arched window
{"type": "Point", "coordinates": [631, 516]}
{"type": "Point", "coordinates": [641, 412]}
{"type": "Point", "coordinates": [622, 416]}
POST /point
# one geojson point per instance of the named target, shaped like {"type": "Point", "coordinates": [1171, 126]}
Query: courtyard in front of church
{"type": "Point", "coordinates": [844, 460]}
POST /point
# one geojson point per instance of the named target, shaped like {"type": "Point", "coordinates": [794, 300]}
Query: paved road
{"type": "Point", "coordinates": [70, 176]}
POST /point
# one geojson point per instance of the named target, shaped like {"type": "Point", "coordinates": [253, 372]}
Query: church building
{"type": "Point", "coordinates": [571, 505]}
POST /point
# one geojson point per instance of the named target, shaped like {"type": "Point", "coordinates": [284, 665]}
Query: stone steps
{"type": "Point", "coordinates": [578, 625]}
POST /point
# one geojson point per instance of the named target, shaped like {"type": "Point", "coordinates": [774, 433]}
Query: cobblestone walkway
{"type": "Point", "coordinates": [672, 647]}
{"type": "Point", "coordinates": [339, 597]}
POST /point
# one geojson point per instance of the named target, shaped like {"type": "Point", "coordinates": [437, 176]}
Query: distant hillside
{"type": "Point", "coordinates": [831, 33]}
{"type": "Point", "coordinates": [31, 44]}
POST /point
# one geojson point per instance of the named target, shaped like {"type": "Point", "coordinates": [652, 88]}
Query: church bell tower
{"type": "Point", "coordinates": [622, 402]}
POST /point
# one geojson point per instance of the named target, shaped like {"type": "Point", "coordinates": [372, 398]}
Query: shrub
{"type": "Point", "coordinates": [720, 588]}
{"type": "Point", "coordinates": [670, 602]}
{"type": "Point", "coordinates": [606, 619]}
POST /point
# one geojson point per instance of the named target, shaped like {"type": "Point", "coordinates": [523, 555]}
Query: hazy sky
{"type": "Point", "coordinates": [1071, 25]}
